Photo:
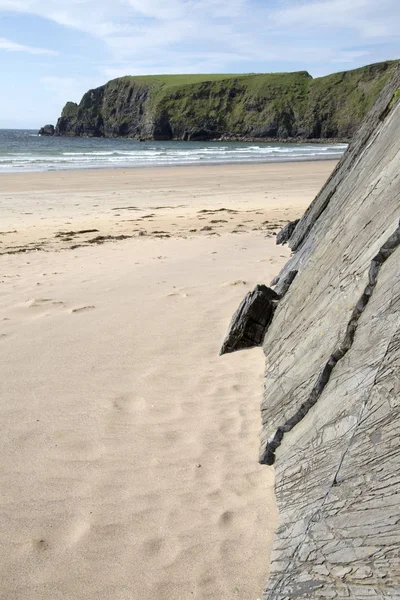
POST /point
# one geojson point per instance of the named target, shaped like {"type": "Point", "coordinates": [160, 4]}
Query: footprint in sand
{"type": "Point", "coordinates": [40, 545]}
{"type": "Point", "coordinates": [78, 531]}
{"type": "Point", "coordinates": [125, 403]}
{"type": "Point", "coordinates": [225, 518]}
{"type": "Point", "coordinates": [82, 308]}
{"type": "Point", "coordinates": [151, 547]}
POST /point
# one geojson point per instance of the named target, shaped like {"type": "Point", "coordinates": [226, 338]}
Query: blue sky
{"type": "Point", "coordinates": [52, 51]}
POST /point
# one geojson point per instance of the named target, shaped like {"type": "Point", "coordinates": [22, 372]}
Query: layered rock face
{"type": "Point", "coordinates": [331, 405]}
{"type": "Point", "coordinates": [204, 107]}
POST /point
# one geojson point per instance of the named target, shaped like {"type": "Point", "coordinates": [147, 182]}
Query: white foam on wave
{"type": "Point", "coordinates": [174, 153]}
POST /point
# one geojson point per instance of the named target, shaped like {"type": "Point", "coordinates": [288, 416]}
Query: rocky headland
{"type": "Point", "coordinates": [275, 106]}
{"type": "Point", "coordinates": [331, 405]}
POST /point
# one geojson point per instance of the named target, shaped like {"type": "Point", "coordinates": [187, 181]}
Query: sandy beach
{"type": "Point", "coordinates": [129, 447]}
{"type": "Point", "coordinates": [50, 210]}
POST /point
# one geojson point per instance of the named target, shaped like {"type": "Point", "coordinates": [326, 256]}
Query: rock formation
{"type": "Point", "coordinates": [47, 130]}
{"type": "Point", "coordinates": [331, 405]}
{"type": "Point", "coordinates": [286, 232]}
{"type": "Point", "coordinates": [275, 106]}
{"type": "Point", "coordinates": [251, 320]}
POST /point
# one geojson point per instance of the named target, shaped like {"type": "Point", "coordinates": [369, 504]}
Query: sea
{"type": "Point", "coordinates": [23, 150]}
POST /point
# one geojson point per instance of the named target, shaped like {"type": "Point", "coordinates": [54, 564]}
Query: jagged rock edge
{"type": "Point", "coordinates": [308, 224]}
{"type": "Point", "coordinates": [261, 301]}
{"type": "Point", "coordinates": [286, 232]}
{"type": "Point", "coordinates": [268, 456]}
{"type": "Point", "coordinates": [378, 113]}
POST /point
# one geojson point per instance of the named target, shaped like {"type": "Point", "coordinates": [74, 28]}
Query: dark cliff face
{"type": "Point", "coordinates": [108, 111]}
{"type": "Point", "coordinates": [277, 106]}
{"type": "Point", "coordinates": [85, 118]}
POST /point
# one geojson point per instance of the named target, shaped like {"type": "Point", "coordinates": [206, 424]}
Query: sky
{"type": "Point", "coordinates": [52, 51]}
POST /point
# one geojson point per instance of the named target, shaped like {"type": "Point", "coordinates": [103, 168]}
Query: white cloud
{"type": "Point", "coordinates": [10, 46]}
{"type": "Point", "coordinates": [69, 88]}
{"type": "Point", "coordinates": [166, 36]}
{"type": "Point", "coordinates": [159, 9]}
{"type": "Point", "coordinates": [368, 17]}
{"type": "Point", "coordinates": [134, 37]}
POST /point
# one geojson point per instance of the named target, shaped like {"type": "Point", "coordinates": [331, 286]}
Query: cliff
{"type": "Point", "coordinates": [253, 106]}
{"type": "Point", "coordinates": [331, 404]}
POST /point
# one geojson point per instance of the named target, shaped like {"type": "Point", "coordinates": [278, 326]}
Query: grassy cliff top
{"type": "Point", "coordinates": [253, 104]}
{"type": "Point", "coordinates": [170, 83]}
{"type": "Point", "coordinates": [255, 83]}
{"type": "Point", "coordinates": [251, 79]}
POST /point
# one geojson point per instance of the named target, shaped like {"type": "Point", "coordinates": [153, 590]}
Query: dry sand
{"type": "Point", "coordinates": [128, 464]}
{"type": "Point", "coordinates": [49, 210]}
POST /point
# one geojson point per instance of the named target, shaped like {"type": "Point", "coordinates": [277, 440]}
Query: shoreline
{"type": "Point", "coordinates": [199, 165]}
{"type": "Point", "coordinates": [25, 152]}
{"type": "Point", "coordinates": [236, 140]}
{"type": "Point", "coordinates": [171, 166]}
{"type": "Point", "coordinates": [60, 210]}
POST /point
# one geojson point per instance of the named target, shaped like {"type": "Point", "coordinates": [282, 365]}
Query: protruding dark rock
{"type": "Point", "coordinates": [202, 135]}
{"type": "Point", "coordinates": [286, 232]}
{"type": "Point", "coordinates": [47, 130]}
{"type": "Point", "coordinates": [251, 320]}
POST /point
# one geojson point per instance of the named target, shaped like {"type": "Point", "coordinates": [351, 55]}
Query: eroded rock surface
{"type": "Point", "coordinates": [251, 320]}
{"type": "Point", "coordinates": [337, 467]}
{"type": "Point", "coordinates": [286, 232]}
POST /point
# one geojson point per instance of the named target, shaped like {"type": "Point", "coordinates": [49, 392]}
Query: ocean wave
{"type": "Point", "coordinates": [30, 152]}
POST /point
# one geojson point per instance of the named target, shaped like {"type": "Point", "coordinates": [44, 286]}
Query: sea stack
{"type": "Point", "coordinates": [47, 130]}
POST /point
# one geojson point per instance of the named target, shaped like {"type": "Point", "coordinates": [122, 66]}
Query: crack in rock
{"type": "Point", "coordinates": [268, 455]}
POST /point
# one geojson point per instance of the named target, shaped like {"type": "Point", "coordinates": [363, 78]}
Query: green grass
{"type": "Point", "coordinates": [173, 80]}
{"type": "Point", "coordinates": [253, 104]}
{"type": "Point", "coordinates": [394, 99]}
{"type": "Point", "coordinates": [70, 110]}
{"type": "Point", "coordinates": [349, 95]}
